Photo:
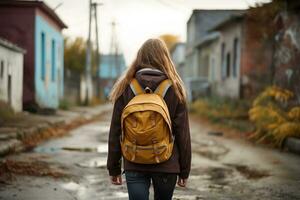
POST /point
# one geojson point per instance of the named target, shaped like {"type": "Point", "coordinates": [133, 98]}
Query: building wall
{"type": "Point", "coordinates": [192, 65]}
{"type": "Point", "coordinates": [198, 28]}
{"type": "Point", "coordinates": [11, 77]}
{"type": "Point", "coordinates": [214, 72]}
{"type": "Point", "coordinates": [228, 82]}
{"type": "Point", "coordinates": [209, 64]}
{"type": "Point", "coordinates": [178, 57]}
{"type": "Point", "coordinates": [287, 52]}
{"type": "Point", "coordinates": [191, 55]}
{"type": "Point", "coordinates": [48, 64]}
{"type": "Point", "coordinates": [256, 59]}
{"type": "Point", "coordinates": [17, 26]}
{"type": "Point", "coordinates": [111, 66]}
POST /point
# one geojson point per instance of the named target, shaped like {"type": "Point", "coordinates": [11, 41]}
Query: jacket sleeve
{"type": "Point", "coordinates": [114, 147]}
{"type": "Point", "coordinates": [182, 138]}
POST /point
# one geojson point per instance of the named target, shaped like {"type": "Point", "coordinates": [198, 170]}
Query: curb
{"type": "Point", "coordinates": [13, 143]}
{"type": "Point", "coordinates": [292, 144]}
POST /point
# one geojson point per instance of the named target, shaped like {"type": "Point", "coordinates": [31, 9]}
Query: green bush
{"type": "Point", "coordinates": [64, 104]}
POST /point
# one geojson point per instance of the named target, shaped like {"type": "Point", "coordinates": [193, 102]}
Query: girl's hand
{"type": "Point", "coordinates": [181, 182]}
{"type": "Point", "coordinates": [116, 180]}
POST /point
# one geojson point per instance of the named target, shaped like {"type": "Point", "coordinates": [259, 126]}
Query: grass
{"type": "Point", "coordinates": [64, 104]}
{"type": "Point", "coordinates": [231, 113]}
{"type": "Point", "coordinates": [6, 112]}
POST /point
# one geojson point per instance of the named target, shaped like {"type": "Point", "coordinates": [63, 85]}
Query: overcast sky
{"type": "Point", "coordinates": [137, 20]}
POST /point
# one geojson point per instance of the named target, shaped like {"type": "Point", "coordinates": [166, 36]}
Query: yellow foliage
{"type": "Point", "coordinates": [294, 113]}
{"type": "Point", "coordinates": [272, 120]}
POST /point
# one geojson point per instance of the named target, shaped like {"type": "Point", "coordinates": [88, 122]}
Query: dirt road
{"type": "Point", "coordinates": [73, 167]}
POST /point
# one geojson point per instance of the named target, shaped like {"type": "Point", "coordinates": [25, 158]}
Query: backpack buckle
{"type": "Point", "coordinates": [148, 90]}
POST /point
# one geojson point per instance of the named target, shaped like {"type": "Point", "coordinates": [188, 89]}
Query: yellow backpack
{"type": "Point", "coordinates": [146, 125]}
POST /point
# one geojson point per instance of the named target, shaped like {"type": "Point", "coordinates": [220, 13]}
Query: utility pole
{"type": "Point", "coordinates": [88, 58]}
{"type": "Point", "coordinates": [114, 49]}
{"type": "Point", "coordinates": [98, 55]}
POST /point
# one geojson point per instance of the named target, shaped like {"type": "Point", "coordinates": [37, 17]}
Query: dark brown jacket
{"type": "Point", "coordinates": [180, 161]}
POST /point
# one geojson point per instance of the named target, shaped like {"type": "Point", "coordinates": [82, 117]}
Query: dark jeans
{"type": "Point", "coordinates": [138, 184]}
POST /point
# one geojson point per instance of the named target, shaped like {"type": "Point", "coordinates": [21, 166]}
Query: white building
{"type": "Point", "coordinates": [202, 67]}
{"type": "Point", "coordinates": [11, 74]}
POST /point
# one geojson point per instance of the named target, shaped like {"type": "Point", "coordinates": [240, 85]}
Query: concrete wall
{"type": "Point", "coordinates": [228, 84]}
{"type": "Point", "coordinates": [11, 65]}
{"type": "Point", "coordinates": [209, 64]}
{"type": "Point", "coordinates": [287, 53]}
{"type": "Point", "coordinates": [48, 79]}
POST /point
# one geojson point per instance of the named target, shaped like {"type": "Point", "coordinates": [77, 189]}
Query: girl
{"type": "Point", "coordinates": [151, 66]}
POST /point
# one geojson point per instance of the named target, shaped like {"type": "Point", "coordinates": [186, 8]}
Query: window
{"type": "Point", "coordinates": [43, 56]}
{"type": "Point", "coordinates": [2, 69]}
{"type": "Point", "coordinates": [223, 67]}
{"type": "Point", "coordinates": [235, 57]}
{"type": "Point", "coordinates": [228, 65]}
{"type": "Point", "coordinates": [53, 60]}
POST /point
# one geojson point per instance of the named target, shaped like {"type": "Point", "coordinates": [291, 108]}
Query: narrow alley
{"type": "Point", "coordinates": [74, 167]}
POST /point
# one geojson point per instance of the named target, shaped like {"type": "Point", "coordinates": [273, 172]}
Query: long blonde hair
{"type": "Point", "coordinates": [152, 54]}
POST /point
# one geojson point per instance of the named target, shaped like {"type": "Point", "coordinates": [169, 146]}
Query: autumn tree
{"type": "Point", "coordinates": [75, 55]}
{"type": "Point", "coordinates": [169, 39]}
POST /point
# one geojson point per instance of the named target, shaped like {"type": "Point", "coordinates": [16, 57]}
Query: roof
{"type": "Point", "coordinates": [34, 3]}
{"type": "Point", "coordinates": [204, 20]}
{"type": "Point", "coordinates": [9, 45]}
{"type": "Point", "coordinates": [224, 23]}
{"type": "Point", "coordinates": [198, 11]}
{"type": "Point", "coordinates": [208, 38]}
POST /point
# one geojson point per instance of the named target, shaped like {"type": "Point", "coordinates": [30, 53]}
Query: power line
{"type": "Point", "coordinates": [171, 5]}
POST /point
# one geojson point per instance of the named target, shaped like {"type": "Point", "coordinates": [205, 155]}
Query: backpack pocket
{"type": "Point", "coordinates": [150, 154]}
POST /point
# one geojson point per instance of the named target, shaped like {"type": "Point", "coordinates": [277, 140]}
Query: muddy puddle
{"type": "Point", "coordinates": [98, 162]}
{"type": "Point", "coordinates": [210, 149]}
{"type": "Point", "coordinates": [212, 177]}
{"type": "Point", "coordinates": [250, 172]}
{"type": "Point", "coordinates": [101, 148]}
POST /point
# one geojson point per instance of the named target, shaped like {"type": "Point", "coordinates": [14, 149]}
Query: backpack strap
{"type": "Point", "coordinates": [163, 87]}
{"type": "Point", "coordinates": [136, 87]}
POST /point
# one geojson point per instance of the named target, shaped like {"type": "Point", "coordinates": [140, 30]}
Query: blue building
{"type": "Point", "coordinates": [35, 27]}
{"type": "Point", "coordinates": [111, 67]}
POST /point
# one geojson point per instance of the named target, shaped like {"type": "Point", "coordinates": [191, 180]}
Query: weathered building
{"type": "Point", "coordinates": [36, 28]}
{"type": "Point", "coordinates": [209, 62]}
{"type": "Point", "coordinates": [178, 57]}
{"type": "Point", "coordinates": [11, 74]}
{"type": "Point", "coordinates": [246, 47]}
{"type": "Point", "coordinates": [198, 32]}
{"type": "Point", "coordinates": [229, 49]}
{"type": "Point", "coordinates": [111, 67]}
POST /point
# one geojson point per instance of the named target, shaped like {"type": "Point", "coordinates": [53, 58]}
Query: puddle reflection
{"type": "Point", "coordinates": [93, 163]}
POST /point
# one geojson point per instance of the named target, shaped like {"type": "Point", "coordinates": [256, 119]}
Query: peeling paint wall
{"type": "Point", "coordinates": [48, 78]}
{"type": "Point", "coordinates": [287, 52]}
{"type": "Point", "coordinates": [11, 77]}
